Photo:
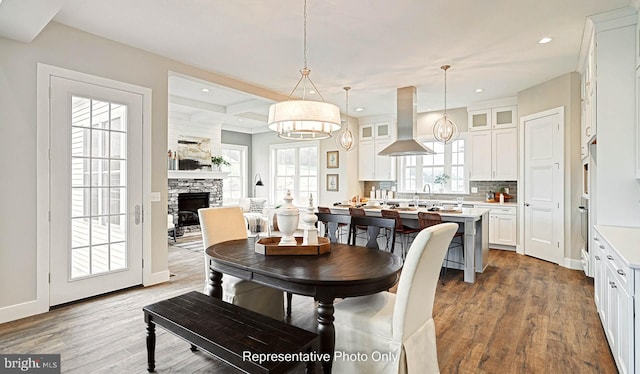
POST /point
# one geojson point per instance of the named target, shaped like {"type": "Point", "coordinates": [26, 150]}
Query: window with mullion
{"type": "Point", "coordinates": [234, 186]}
{"type": "Point", "coordinates": [416, 171]}
{"type": "Point", "coordinates": [295, 168]}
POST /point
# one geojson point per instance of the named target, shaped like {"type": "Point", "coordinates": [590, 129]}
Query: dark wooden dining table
{"type": "Point", "coordinates": [346, 271]}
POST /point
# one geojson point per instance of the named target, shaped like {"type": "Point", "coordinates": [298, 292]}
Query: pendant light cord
{"type": "Point", "coordinates": [305, 36]}
{"type": "Point", "coordinates": [305, 70]}
{"type": "Point", "coordinates": [445, 68]}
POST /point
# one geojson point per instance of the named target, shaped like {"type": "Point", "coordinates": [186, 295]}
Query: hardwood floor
{"type": "Point", "coordinates": [522, 315]}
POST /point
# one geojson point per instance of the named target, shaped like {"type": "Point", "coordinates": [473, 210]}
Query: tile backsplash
{"type": "Point", "coordinates": [483, 188]}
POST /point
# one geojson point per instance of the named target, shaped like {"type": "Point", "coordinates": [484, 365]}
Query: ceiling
{"type": "Point", "coordinates": [374, 46]}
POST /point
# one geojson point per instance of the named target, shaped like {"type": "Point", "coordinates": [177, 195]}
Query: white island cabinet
{"type": "Point", "coordinates": [503, 226]}
{"type": "Point", "coordinates": [617, 288]}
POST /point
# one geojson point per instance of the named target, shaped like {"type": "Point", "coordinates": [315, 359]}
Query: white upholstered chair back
{"type": "Point", "coordinates": [417, 286]}
{"type": "Point", "coordinates": [227, 223]}
{"type": "Point", "coordinates": [221, 224]}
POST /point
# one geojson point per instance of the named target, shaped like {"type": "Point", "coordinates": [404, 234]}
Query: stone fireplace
{"type": "Point", "coordinates": [195, 189]}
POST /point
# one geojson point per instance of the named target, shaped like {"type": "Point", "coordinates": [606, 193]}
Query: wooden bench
{"type": "Point", "coordinates": [229, 332]}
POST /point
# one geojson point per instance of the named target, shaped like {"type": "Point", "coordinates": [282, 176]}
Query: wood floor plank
{"type": "Point", "coordinates": [522, 315]}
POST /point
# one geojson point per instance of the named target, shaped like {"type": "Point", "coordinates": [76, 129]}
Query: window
{"type": "Point", "coordinates": [295, 168]}
{"type": "Point", "coordinates": [234, 187]}
{"type": "Point", "coordinates": [416, 171]}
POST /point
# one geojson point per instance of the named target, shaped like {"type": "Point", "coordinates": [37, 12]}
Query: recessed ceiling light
{"type": "Point", "coordinates": [312, 92]}
{"type": "Point", "coordinates": [205, 90]}
{"type": "Point", "coordinates": [544, 40]}
{"type": "Point", "coordinates": [429, 110]}
{"type": "Point", "coordinates": [359, 109]}
{"type": "Point", "coordinates": [479, 89]}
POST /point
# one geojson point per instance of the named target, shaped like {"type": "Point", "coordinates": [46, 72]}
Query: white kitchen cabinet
{"type": "Point", "coordinates": [614, 156]}
{"type": "Point", "coordinates": [493, 154]}
{"type": "Point", "coordinates": [615, 284]}
{"type": "Point", "coordinates": [638, 122]}
{"type": "Point", "coordinates": [374, 138]}
{"type": "Point", "coordinates": [493, 118]}
{"type": "Point", "coordinates": [599, 279]}
{"type": "Point", "coordinates": [502, 225]}
{"type": "Point", "coordinates": [588, 90]}
{"type": "Point", "coordinates": [479, 119]}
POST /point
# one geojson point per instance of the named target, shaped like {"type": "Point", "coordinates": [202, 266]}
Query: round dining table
{"type": "Point", "coordinates": [346, 271]}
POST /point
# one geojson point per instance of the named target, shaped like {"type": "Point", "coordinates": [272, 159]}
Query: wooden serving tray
{"type": "Point", "coordinates": [269, 247]}
{"type": "Point", "coordinates": [449, 211]}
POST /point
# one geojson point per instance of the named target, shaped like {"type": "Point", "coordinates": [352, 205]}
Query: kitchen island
{"type": "Point", "coordinates": [474, 222]}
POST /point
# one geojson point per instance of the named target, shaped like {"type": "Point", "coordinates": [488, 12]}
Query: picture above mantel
{"type": "Point", "coordinates": [196, 174]}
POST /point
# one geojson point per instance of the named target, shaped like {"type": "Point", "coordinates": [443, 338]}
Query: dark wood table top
{"type": "Point", "coordinates": [346, 271]}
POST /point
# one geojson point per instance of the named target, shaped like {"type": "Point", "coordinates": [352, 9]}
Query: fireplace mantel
{"type": "Point", "coordinates": [193, 174]}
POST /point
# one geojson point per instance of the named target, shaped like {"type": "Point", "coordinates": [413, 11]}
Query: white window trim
{"type": "Point", "coordinates": [277, 200]}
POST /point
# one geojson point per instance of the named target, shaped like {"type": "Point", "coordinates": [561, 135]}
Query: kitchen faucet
{"type": "Point", "coordinates": [425, 188]}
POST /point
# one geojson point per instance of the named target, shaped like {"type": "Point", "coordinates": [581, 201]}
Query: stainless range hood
{"type": "Point", "coordinates": [406, 145]}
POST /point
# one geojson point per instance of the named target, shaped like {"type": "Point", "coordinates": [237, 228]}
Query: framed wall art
{"type": "Point", "coordinates": [333, 159]}
{"type": "Point", "coordinates": [332, 182]}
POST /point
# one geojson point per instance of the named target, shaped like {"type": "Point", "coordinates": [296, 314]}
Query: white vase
{"type": "Point", "coordinates": [288, 216]}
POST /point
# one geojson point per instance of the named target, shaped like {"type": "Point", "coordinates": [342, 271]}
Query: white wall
{"type": "Point", "coordinates": [72, 49]}
{"type": "Point", "coordinates": [426, 120]}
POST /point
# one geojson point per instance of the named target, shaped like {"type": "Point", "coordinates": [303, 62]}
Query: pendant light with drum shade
{"type": "Point", "coordinates": [304, 119]}
{"type": "Point", "coordinates": [445, 130]}
{"type": "Point", "coordinates": [346, 140]}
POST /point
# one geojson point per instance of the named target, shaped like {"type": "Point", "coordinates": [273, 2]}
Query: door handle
{"type": "Point", "coordinates": [526, 204]}
{"type": "Point", "coordinates": [137, 214]}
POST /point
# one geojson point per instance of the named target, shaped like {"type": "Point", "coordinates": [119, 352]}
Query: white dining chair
{"type": "Point", "coordinates": [222, 224]}
{"type": "Point", "coordinates": [399, 325]}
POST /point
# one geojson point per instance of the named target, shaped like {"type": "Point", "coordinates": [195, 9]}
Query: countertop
{"type": "Point", "coordinates": [413, 214]}
{"type": "Point", "coordinates": [448, 202]}
{"type": "Point", "coordinates": [626, 241]}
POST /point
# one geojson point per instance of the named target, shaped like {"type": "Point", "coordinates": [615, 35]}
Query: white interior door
{"type": "Point", "coordinates": [543, 224]}
{"type": "Point", "coordinates": [95, 189]}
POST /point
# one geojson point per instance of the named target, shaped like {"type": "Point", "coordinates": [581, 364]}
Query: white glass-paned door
{"type": "Point", "coordinates": [96, 188]}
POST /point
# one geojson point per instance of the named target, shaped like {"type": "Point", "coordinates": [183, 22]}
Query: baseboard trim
{"type": "Point", "coordinates": [23, 310]}
{"type": "Point", "coordinates": [572, 264]}
{"type": "Point", "coordinates": [155, 278]}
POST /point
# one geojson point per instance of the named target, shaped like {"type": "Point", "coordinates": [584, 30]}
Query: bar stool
{"type": "Point", "coordinates": [358, 212]}
{"type": "Point", "coordinates": [426, 219]}
{"type": "Point", "coordinates": [402, 230]}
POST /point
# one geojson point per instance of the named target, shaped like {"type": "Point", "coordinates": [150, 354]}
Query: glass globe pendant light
{"type": "Point", "coordinates": [346, 140]}
{"type": "Point", "coordinates": [445, 130]}
{"type": "Point", "coordinates": [304, 119]}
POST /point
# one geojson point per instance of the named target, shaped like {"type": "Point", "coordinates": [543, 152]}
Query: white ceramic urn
{"type": "Point", "coordinates": [288, 216]}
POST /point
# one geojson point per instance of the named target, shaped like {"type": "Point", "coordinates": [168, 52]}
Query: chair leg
{"type": "Point", "coordinates": [444, 271]}
{"type": "Point", "coordinates": [446, 261]}
{"type": "Point", "coordinates": [289, 299]}
{"type": "Point", "coordinates": [405, 245]}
